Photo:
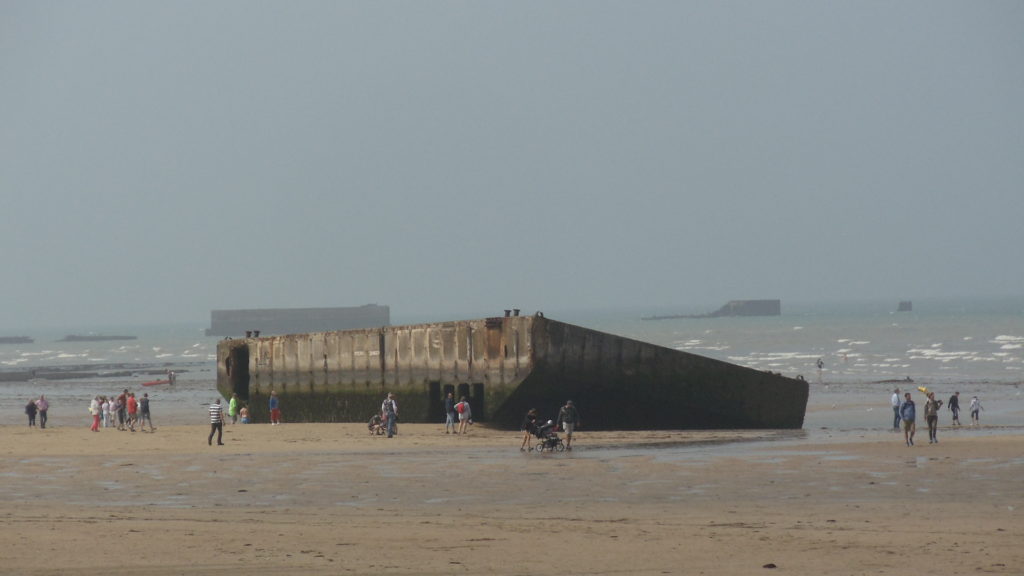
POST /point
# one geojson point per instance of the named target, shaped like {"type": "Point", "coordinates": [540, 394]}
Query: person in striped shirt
{"type": "Point", "coordinates": [216, 422]}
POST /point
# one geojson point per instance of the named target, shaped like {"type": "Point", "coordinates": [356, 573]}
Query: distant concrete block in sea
{"type": "Point", "coordinates": [734, 308]}
{"type": "Point", "coordinates": [503, 366]}
{"type": "Point", "coordinates": [272, 321]}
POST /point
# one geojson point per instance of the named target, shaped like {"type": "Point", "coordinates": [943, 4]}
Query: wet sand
{"type": "Point", "coordinates": [329, 499]}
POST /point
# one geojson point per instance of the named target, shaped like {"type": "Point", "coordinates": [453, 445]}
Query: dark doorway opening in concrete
{"type": "Point", "coordinates": [478, 400]}
{"type": "Point", "coordinates": [237, 367]}
{"type": "Point", "coordinates": [435, 402]}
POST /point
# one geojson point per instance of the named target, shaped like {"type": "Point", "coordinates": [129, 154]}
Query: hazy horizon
{"type": "Point", "coordinates": [163, 159]}
{"type": "Point", "coordinates": [795, 309]}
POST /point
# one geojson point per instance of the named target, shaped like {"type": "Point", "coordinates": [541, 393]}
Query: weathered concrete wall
{"type": "Point", "coordinates": [504, 366]}
{"type": "Point", "coordinates": [344, 376]}
{"type": "Point", "coordinates": [622, 383]}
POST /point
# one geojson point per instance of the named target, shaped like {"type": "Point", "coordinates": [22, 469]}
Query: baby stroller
{"type": "Point", "coordinates": [547, 439]}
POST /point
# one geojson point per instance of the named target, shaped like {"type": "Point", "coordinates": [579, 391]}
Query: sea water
{"type": "Point", "coordinates": [865, 348]}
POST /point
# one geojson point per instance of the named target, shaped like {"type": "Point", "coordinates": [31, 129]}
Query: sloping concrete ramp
{"type": "Point", "coordinates": [504, 366]}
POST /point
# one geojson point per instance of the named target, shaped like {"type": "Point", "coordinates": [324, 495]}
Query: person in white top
{"type": "Point", "coordinates": [96, 411]}
{"type": "Point", "coordinates": [975, 407]}
{"type": "Point", "coordinates": [896, 409]}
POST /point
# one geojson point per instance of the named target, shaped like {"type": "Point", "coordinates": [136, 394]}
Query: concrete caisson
{"type": "Point", "coordinates": [504, 366]}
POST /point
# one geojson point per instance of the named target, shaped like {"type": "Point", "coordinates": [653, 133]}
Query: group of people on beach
{"type": "Point", "coordinates": [238, 411]}
{"type": "Point", "coordinates": [568, 420]}
{"type": "Point", "coordinates": [461, 411]}
{"type": "Point", "coordinates": [459, 417]}
{"type": "Point", "coordinates": [37, 407]}
{"type": "Point", "coordinates": [905, 413]}
{"type": "Point", "coordinates": [386, 421]}
{"type": "Point", "coordinates": [124, 411]}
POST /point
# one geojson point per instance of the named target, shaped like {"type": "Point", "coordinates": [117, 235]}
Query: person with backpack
{"type": "Point", "coordinates": [389, 411]}
{"type": "Point", "coordinates": [908, 413]}
{"type": "Point", "coordinates": [465, 415]}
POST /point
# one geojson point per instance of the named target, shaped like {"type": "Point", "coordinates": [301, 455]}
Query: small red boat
{"type": "Point", "coordinates": [155, 382]}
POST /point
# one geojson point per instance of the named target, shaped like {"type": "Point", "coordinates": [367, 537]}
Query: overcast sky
{"type": "Point", "coordinates": [162, 159]}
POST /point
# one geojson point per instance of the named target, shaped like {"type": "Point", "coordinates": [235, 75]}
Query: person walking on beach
{"type": "Point", "coordinates": [108, 417]}
{"type": "Point", "coordinates": [96, 411]}
{"type": "Point", "coordinates": [275, 409]}
{"type": "Point", "coordinates": [529, 428]}
{"type": "Point", "coordinates": [43, 405]}
{"type": "Point", "coordinates": [233, 408]}
{"type": "Point", "coordinates": [122, 400]}
{"type": "Point", "coordinates": [896, 410]}
{"type": "Point", "coordinates": [389, 411]}
{"type": "Point", "coordinates": [931, 415]}
{"type": "Point", "coordinates": [133, 411]}
{"type": "Point", "coordinates": [975, 408]}
{"type": "Point", "coordinates": [144, 414]}
{"type": "Point", "coordinates": [216, 423]}
{"type": "Point", "coordinates": [908, 413]}
{"type": "Point", "coordinates": [31, 409]}
{"type": "Point", "coordinates": [569, 419]}
{"type": "Point", "coordinates": [465, 415]}
{"type": "Point", "coordinates": [449, 413]}
{"type": "Point", "coordinates": [954, 407]}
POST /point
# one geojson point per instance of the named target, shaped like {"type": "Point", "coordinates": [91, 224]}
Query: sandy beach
{"type": "Point", "coordinates": [330, 499]}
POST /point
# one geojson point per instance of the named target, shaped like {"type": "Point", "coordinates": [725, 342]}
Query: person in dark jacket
{"type": "Point", "coordinates": [954, 407]}
{"type": "Point", "coordinates": [529, 428]}
{"type": "Point", "coordinates": [449, 413]}
{"type": "Point", "coordinates": [931, 416]}
{"type": "Point", "coordinates": [31, 410]}
{"type": "Point", "coordinates": [908, 413]}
